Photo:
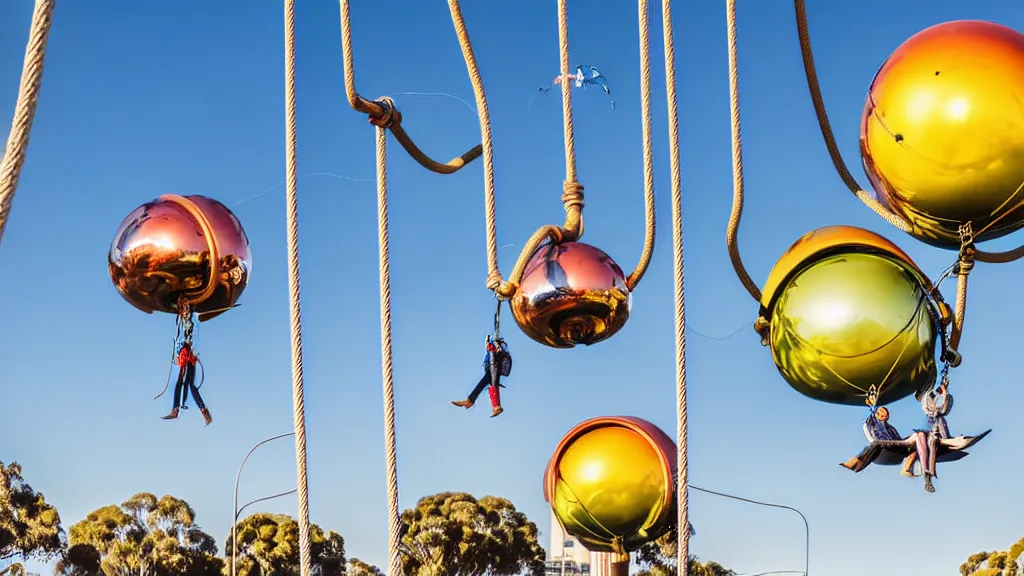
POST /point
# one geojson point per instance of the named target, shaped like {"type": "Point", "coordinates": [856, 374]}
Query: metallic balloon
{"type": "Point", "coordinates": [611, 483]}
{"type": "Point", "coordinates": [848, 310]}
{"type": "Point", "coordinates": [571, 293]}
{"type": "Point", "coordinates": [942, 131]}
{"type": "Point", "coordinates": [161, 254]}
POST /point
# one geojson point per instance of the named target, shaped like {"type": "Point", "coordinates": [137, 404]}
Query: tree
{"type": "Point", "coordinates": [357, 567]}
{"type": "Point", "coordinates": [269, 544]}
{"type": "Point", "coordinates": [454, 534]}
{"type": "Point", "coordinates": [658, 558]}
{"type": "Point", "coordinates": [142, 536]}
{"type": "Point", "coordinates": [29, 525]}
{"type": "Point", "coordinates": [995, 563]}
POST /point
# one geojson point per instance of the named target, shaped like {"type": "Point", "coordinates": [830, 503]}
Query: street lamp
{"type": "Point", "coordinates": [237, 511]}
{"type": "Point", "coordinates": [807, 527]}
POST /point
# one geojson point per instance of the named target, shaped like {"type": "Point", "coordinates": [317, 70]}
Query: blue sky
{"type": "Point", "coordinates": [146, 98]}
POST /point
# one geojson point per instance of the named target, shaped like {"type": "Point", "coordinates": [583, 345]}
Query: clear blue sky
{"type": "Point", "coordinates": [146, 98]}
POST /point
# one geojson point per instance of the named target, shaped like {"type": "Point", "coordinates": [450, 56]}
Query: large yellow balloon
{"type": "Point", "coordinates": [611, 483]}
{"type": "Point", "coordinates": [942, 132]}
{"type": "Point", "coordinates": [847, 310]}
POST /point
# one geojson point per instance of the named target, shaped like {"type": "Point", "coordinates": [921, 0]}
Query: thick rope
{"type": "Point", "coordinates": [486, 142]}
{"type": "Point", "coordinates": [383, 114]}
{"type": "Point", "coordinates": [292, 212]}
{"type": "Point", "coordinates": [732, 231]}
{"type": "Point", "coordinates": [645, 121]}
{"type": "Point", "coordinates": [24, 108]}
{"type": "Point", "coordinates": [678, 275]}
{"type": "Point", "coordinates": [826, 126]}
{"type": "Point", "coordinates": [572, 196]}
{"type": "Point", "coordinates": [563, 61]}
{"type": "Point", "coordinates": [387, 369]}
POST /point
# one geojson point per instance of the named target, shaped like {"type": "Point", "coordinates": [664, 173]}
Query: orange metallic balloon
{"type": "Point", "coordinates": [942, 131]}
{"type": "Point", "coordinates": [181, 249]}
{"type": "Point", "coordinates": [571, 293]}
{"type": "Point", "coordinates": [611, 483]}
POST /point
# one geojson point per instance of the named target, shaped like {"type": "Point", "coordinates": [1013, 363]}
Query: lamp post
{"type": "Point", "coordinates": [238, 476]}
{"type": "Point", "coordinates": [807, 527]}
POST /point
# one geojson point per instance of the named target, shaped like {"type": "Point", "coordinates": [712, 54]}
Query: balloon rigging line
{"type": "Point", "coordinates": [807, 526]}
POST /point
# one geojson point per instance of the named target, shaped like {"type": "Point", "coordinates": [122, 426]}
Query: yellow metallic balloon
{"type": "Point", "coordinates": [571, 293]}
{"type": "Point", "coordinates": [942, 132]}
{"type": "Point", "coordinates": [847, 311]}
{"type": "Point", "coordinates": [179, 249]}
{"type": "Point", "coordinates": [611, 483]}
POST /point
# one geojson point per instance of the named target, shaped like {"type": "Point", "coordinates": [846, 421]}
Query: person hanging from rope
{"type": "Point", "coordinates": [186, 361]}
{"type": "Point", "coordinates": [497, 363]}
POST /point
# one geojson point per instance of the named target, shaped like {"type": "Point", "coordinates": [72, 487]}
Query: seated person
{"type": "Point", "coordinates": [878, 431]}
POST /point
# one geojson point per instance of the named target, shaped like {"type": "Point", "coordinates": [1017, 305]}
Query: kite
{"type": "Point", "coordinates": [585, 76]}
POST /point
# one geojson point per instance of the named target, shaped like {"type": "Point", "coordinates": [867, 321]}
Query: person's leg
{"type": "Point", "coordinates": [199, 399]}
{"type": "Point", "coordinates": [477, 390]}
{"type": "Point", "coordinates": [495, 392]}
{"type": "Point", "coordinates": [908, 465]}
{"type": "Point", "coordinates": [177, 395]}
{"type": "Point", "coordinates": [861, 461]}
{"type": "Point", "coordinates": [933, 452]}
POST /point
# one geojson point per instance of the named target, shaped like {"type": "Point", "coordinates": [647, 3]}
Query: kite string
{"type": "Point", "coordinates": [383, 112]}
{"type": "Point", "coordinates": [25, 107]}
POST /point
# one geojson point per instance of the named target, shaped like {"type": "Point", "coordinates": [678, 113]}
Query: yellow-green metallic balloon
{"type": "Point", "coordinates": [846, 311]}
{"type": "Point", "coordinates": [942, 131]}
{"type": "Point", "coordinates": [611, 483]}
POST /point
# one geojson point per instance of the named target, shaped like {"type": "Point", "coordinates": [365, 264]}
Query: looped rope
{"type": "Point", "coordinates": [389, 116]}
{"type": "Point", "coordinates": [376, 110]}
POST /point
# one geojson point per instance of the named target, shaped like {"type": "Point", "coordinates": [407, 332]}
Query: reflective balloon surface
{"type": "Point", "coordinates": [942, 132]}
{"type": "Point", "coordinates": [852, 320]}
{"type": "Point", "coordinates": [161, 253]}
{"type": "Point", "coordinates": [571, 293]}
{"type": "Point", "coordinates": [827, 239]}
{"type": "Point", "coordinates": [613, 479]}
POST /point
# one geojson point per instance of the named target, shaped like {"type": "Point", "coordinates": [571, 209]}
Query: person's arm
{"type": "Point", "coordinates": [947, 404]}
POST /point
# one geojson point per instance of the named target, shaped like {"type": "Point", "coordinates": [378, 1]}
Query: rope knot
{"type": "Point", "coordinates": [493, 281]}
{"type": "Point", "coordinates": [572, 194]}
{"type": "Point", "coordinates": [390, 115]}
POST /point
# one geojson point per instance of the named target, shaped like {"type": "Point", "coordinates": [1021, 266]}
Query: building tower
{"type": "Point", "coordinates": [566, 556]}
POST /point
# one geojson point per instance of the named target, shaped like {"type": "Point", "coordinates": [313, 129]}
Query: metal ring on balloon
{"type": "Point", "coordinates": [659, 441]}
{"type": "Point", "coordinates": [211, 245]}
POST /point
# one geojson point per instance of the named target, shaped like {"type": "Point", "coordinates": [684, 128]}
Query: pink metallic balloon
{"type": "Point", "coordinates": [161, 256]}
{"type": "Point", "coordinates": [571, 293]}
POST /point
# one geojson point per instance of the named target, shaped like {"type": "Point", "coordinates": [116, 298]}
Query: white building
{"type": "Point", "coordinates": [567, 557]}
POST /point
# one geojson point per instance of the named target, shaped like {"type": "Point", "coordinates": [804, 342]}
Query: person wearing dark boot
{"type": "Point", "coordinates": [497, 363]}
{"type": "Point", "coordinates": [187, 383]}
